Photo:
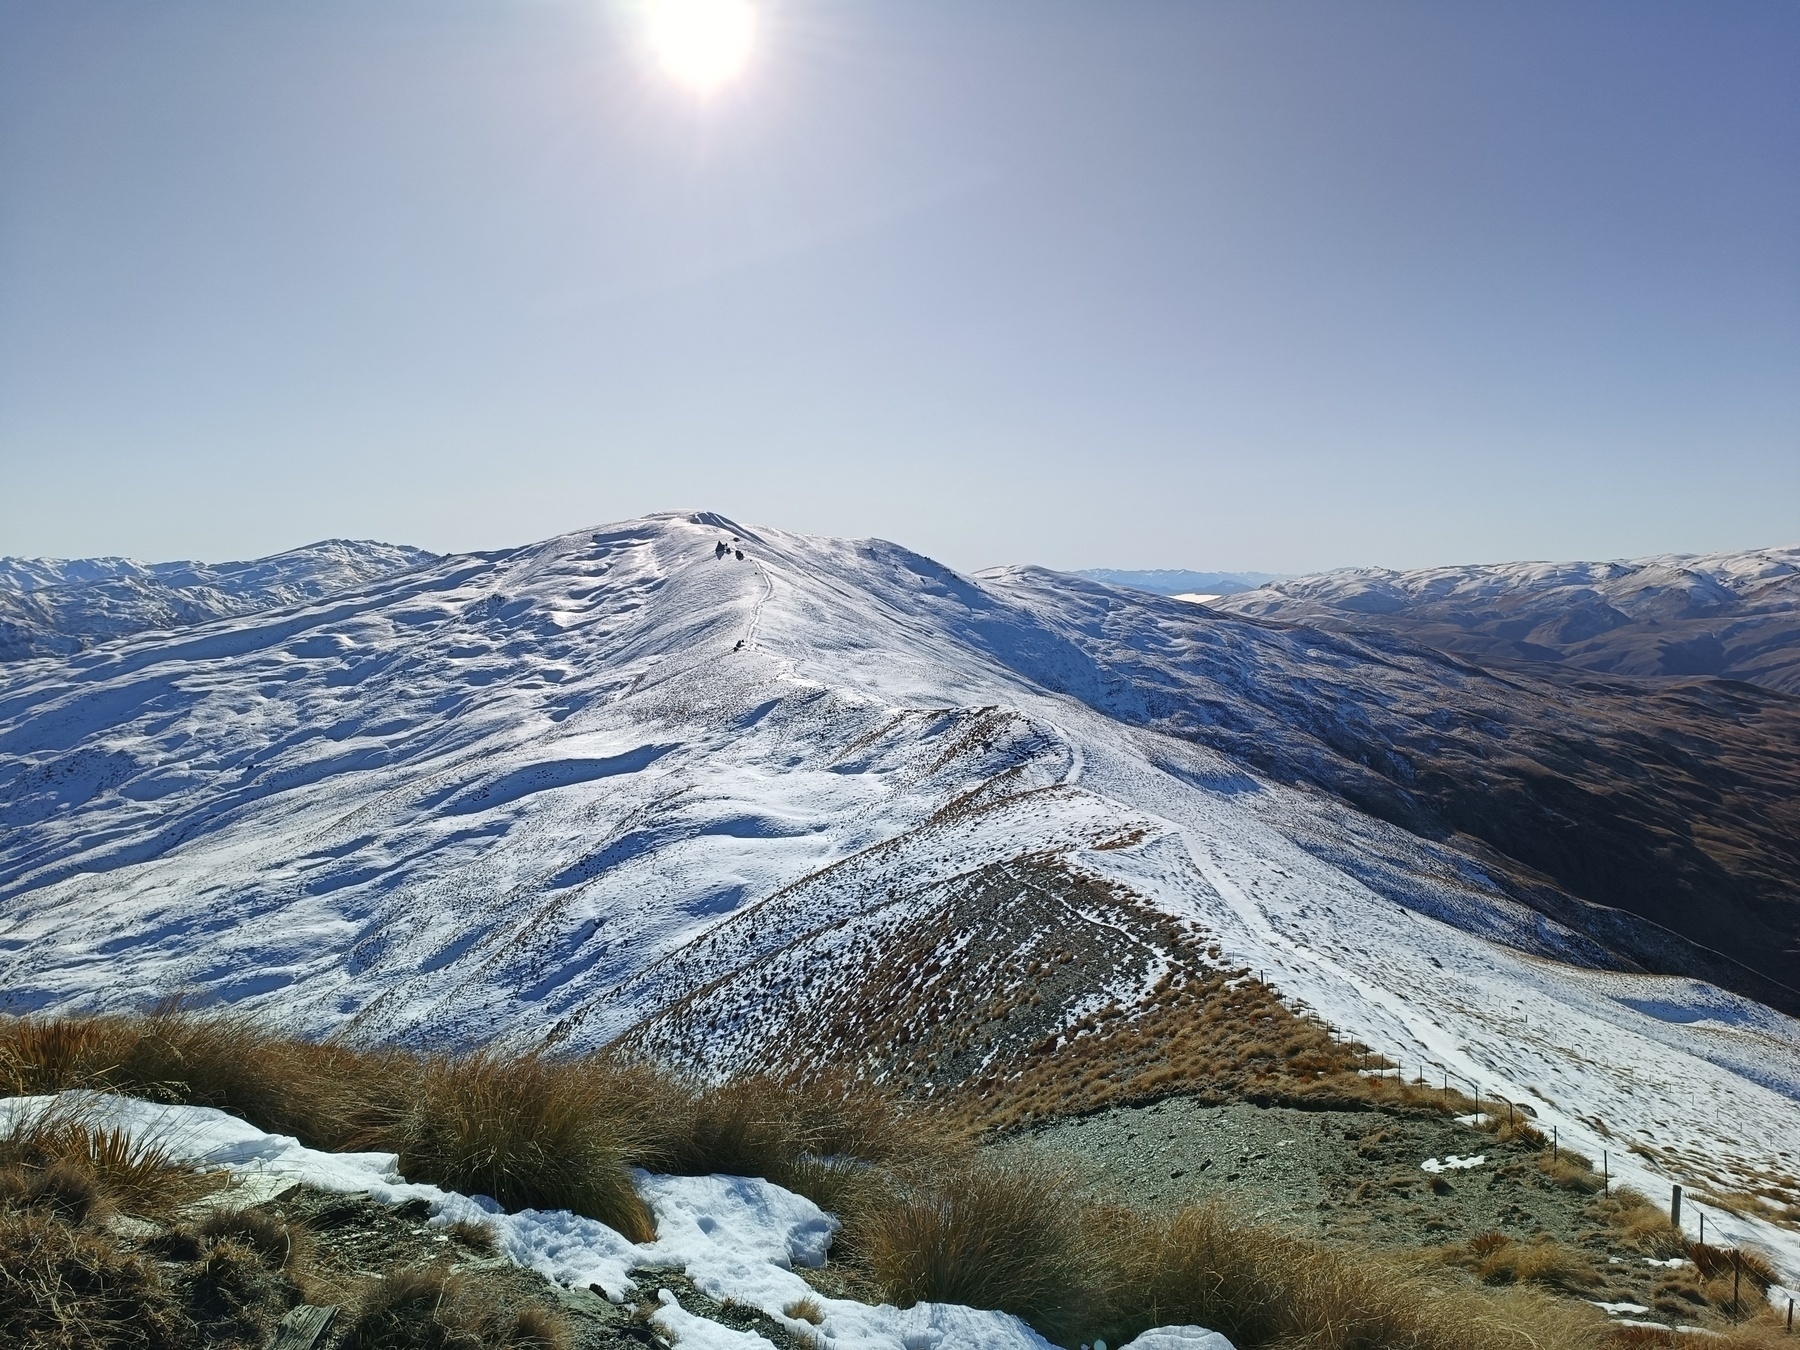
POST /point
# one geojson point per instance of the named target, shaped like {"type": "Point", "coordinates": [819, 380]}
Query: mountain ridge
{"type": "Point", "coordinates": [58, 606]}
{"type": "Point", "coordinates": [1730, 615]}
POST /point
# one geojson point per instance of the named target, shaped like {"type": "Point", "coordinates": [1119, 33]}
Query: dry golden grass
{"type": "Point", "coordinates": [477, 1237]}
{"type": "Point", "coordinates": [318, 1093]}
{"type": "Point", "coordinates": [94, 1168]}
{"type": "Point", "coordinates": [1776, 1208]}
{"type": "Point", "coordinates": [982, 1235]}
{"type": "Point", "coordinates": [276, 1242]}
{"type": "Point", "coordinates": [1076, 1270]}
{"type": "Point", "coordinates": [65, 1280]}
{"type": "Point", "coordinates": [1571, 1171]}
{"type": "Point", "coordinates": [1494, 1258]}
{"type": "Point", "coordinates": [529, 1131]}
{"type": "Point", "coordinates": [428, 1308]}
{"type": "Point", "coordinates": [1767, 1337]}
{"type": "Point", "coordinates": [1269, 1290]}
{"type": "Point", "coordinates": [66, 1287]}
{"type": "Point", "coordinates": [805, 1310]}
{"type": "Point", "coordinates": [1638, 1224]}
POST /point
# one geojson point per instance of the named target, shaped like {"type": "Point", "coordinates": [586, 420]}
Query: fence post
{"type": "Point", "coordinates": [1675, 1207]}
{"type": "Point", "coordinates": [1605, 1174]}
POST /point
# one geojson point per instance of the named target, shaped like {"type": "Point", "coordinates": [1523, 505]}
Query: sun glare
{"type": "Point", "coordinates": [702, 43]}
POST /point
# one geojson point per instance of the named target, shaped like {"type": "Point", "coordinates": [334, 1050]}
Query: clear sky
{"type": "Point", "coordinates": [1133, 283]}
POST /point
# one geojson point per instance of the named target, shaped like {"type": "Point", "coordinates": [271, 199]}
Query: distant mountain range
{"type": "Point", "coordinates": [1169, 582]}
{"type": "Point", "coordinates": [1732, 615]}
{"type": "Point", "coordinates": [57, 606]}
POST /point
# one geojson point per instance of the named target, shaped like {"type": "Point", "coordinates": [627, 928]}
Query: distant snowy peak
{"type": "Point", "coordinates": [1735, 615]}
{"type": "Point", "coordinates": [1167, 581]}
{"type": "Point", "coordinates": [58, 606]}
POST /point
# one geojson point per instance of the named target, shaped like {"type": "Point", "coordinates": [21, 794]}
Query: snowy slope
{"type": "Point", "coordinates": [1735, 614]}
{"type": "Point", "coordinates": [616, 784]}
{"type": "Point", "coordinates": [54, 606]}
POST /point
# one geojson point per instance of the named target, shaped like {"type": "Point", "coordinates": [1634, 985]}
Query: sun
{"type": "Point", "coordinates": [702, 44]}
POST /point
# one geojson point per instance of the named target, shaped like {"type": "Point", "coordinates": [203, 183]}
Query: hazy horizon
{"type": "Point", "coordinates": [1098, 568]}
{"type": "Point", "coordinates": [1275, 286]}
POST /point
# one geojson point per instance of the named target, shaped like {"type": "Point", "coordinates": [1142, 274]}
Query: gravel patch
{"type": "Point", "coordinates": [1355, 1175]}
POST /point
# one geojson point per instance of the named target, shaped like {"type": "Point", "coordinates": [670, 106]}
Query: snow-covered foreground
{"type": "Point", "coordinates": [736, 1238]}
{"type": "Point", "coordinates": [570, 791]}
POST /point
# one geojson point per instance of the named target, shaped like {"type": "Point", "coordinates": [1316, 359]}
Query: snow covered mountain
{"type": "Point", "coordinates": [828, 800]}
{"type": "Point", "coordinates": [1722, 614]}
{"type": "Point", "coordinates": [56, 606]}
{"type": "Point", "coordinates": [1168, 581]}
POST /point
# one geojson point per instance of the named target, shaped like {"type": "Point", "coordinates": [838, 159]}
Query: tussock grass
{"type": "Point", "coordinates": [1716, 1262]}
{"type": "Point", "coordinates": [428, 1308]}
{"type": "Point", "coordinates": [65, 1278]}
{"type": "Point", "coordinates": [1270, 1290]}
{"type": "Point", "coordinates": [1495, 1258]}
{"type": "Point", "coordinates": [63, 1160]}
{"type": "Point", "coordinates": [64, 1287]}
{"type": "Point", "coordinates": [1571, 1171]}
{"type": "Point", "coordinates": [1076, 1270]}
{"type": "Point", "coordinates": [276, 1242]}
{"type": "Point", "coordinates": [529, 1131]}
{"type": "Point", "coordinates": [1638, 1223]}
{"type": "Point", "coordinates": [1776, 1207]}
{"type": "Point", "coordinates": [1768, 1337]}
{"type": "Point", "coordinates": [477, 1237]}
{"type": "Point", "coordinates": [805, 1310]}
{"type": "Point", "coordinates": [983, 1235]}
{"type": "Point", "coordinates": [318, 1093]}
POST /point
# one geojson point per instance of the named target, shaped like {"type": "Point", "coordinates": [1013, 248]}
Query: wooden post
{"type": "Point", "coordinates": [302, 1328]}
{"type": "Point", "coordinates": [1702, 1214]}
{"type": "Point", "coordinates": [1605, 1174]}
{"type": "Point", "coordinates": [1555, 1143]}
{"type": "Point", "coordinates": [1736, 1309]}
{"type": "Point", "coordinates": [1675, 1207]}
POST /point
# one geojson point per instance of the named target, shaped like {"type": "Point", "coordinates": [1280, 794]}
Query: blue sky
{"type": "Point", "coordinates": [1143, 283]}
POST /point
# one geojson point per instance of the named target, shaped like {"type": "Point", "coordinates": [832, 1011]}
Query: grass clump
{"type": "Point", "coordinates": [69, 1287]}
{"type": "Point", "coordinates": [1015, 1240]}
{"type": "Point", "coordinates": [319, 1093]}
{"type": "Point", "coordinates": [61, 1159]}
{"type": "Point", "coordinates": [66, 1279]}
{"type": "Point", "coordinates": [805, 1310]}
{"type": "Point", "coordinates": [982, 1235]}
{"type": "Point", "coordinates": [276, 1242]}
{"type": "Point", "coordinates": [1495, 1258]}
{"type": "Point", "coordinates": [1638, 1224]}
{"type": "Point", "coordinates": [477, 1237]}
{"type": "Point", "coordinates": [427, 1308]}
{"type": "Point", "coordinates": [529, 1131]}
